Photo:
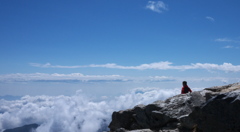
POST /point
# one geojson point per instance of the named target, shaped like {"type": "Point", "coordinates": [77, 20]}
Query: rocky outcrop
{"type": "Point", "coordinates": [212, 109]}
{"type": "Point", "coordinates": [219, 114]}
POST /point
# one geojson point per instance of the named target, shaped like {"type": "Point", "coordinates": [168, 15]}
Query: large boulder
{"type": "Point", "coordinates": [219, 114]}
{"type": "Point", "coordinates": [158, 114]}
{"type": "Point", "coordinates": [212, 109]}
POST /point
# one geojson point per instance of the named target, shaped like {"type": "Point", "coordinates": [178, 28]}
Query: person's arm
{"type": "Point", "coordinates": [182, 91]}
{"type": "Point", "coordinates": [190, 90]}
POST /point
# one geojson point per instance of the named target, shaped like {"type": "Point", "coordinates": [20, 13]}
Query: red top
{"type": "Point", "coordinates": [185, 89]}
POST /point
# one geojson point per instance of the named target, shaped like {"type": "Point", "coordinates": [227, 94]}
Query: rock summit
{"type": "Point", "coordinates": [214, 109]}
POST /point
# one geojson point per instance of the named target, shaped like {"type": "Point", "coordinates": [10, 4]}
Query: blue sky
{"type": "Point", "coordinates": [110, 46]}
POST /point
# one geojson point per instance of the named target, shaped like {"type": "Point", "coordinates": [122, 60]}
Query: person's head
{"type": "Point", "coordinates": [184, 82]}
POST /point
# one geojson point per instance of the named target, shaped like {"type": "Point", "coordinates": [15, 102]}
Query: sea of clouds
{"type": "Point", "coordinates": [73, 113]}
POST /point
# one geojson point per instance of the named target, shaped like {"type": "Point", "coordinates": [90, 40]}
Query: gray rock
{"type": "Point", "coordinates": [186, 122]}
{"type": "Point", "coordinates": [212, 109]}
{"type": "Point", "coordinates": [219, 114]}
{"type": "Point", "coordinates": [122, 119]}
{"type": "Point", "coordinates": [157, 115]}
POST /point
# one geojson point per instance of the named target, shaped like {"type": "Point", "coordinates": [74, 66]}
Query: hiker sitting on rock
{"type": "Point", "coordinates": [185, 88]}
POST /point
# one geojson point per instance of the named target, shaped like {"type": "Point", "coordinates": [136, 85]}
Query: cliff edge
{"type": "Point", "coordinates": [214, 109]}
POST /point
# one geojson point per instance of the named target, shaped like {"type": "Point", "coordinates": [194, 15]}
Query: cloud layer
{"type": "Point", "coordinates": [164, 65]}
{"type": "Point", "coordinates": [73, 113]}
{"type": "Point", "coordinates": [56, 77]}
{"type": "Point", "coordinates": [80, 78]}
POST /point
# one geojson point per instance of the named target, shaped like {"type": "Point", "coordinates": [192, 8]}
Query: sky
{"type": "Point", "coordinates": [108, 47]}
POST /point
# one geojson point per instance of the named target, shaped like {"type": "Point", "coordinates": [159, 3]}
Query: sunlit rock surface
{"type": "Point", "coordinates": [214, 109]}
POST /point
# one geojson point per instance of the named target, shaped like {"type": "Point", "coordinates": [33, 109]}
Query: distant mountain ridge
{"type": "Point", "coordinates": [26, 128]}
{"type": "Point", "coordinates": [214, 109]}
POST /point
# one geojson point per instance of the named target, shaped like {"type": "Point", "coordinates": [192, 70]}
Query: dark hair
{"type": "Point", "coordinates": [184, 82]}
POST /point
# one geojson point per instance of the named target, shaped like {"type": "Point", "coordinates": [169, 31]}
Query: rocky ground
{"type": "Point", "coordinates": [214, 109]}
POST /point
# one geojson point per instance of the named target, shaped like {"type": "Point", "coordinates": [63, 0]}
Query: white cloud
{"type": "Point", "coordinates": [227, 67]}
{"type": "Point", "coordinates": [156, 6]}
{"type": "Point", "coordinates": [228, 47]}
{"type": "Point", "coordinates": [56, 77]}
{"type": "Point", "coordinates": [73, 113]}
{"type": "Point", "coordinates": [161, 79]}
{"type": "Point", "coordinates": [234, 43]}
{"type": "Point", "coordinates": [223, 40]}
{"type": "Point", "coordinates": [158, 65]}
{"type": "Point", "coordinates": [163, 65]}
{"type": "Point", "coordinates": [48, 65]}
{"type": "Point", "coordinates": [210, 18]}
{"type": "Point", "coordinates": [227, 40]}
{"type": "Point", "coordinates": [80, 78]}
